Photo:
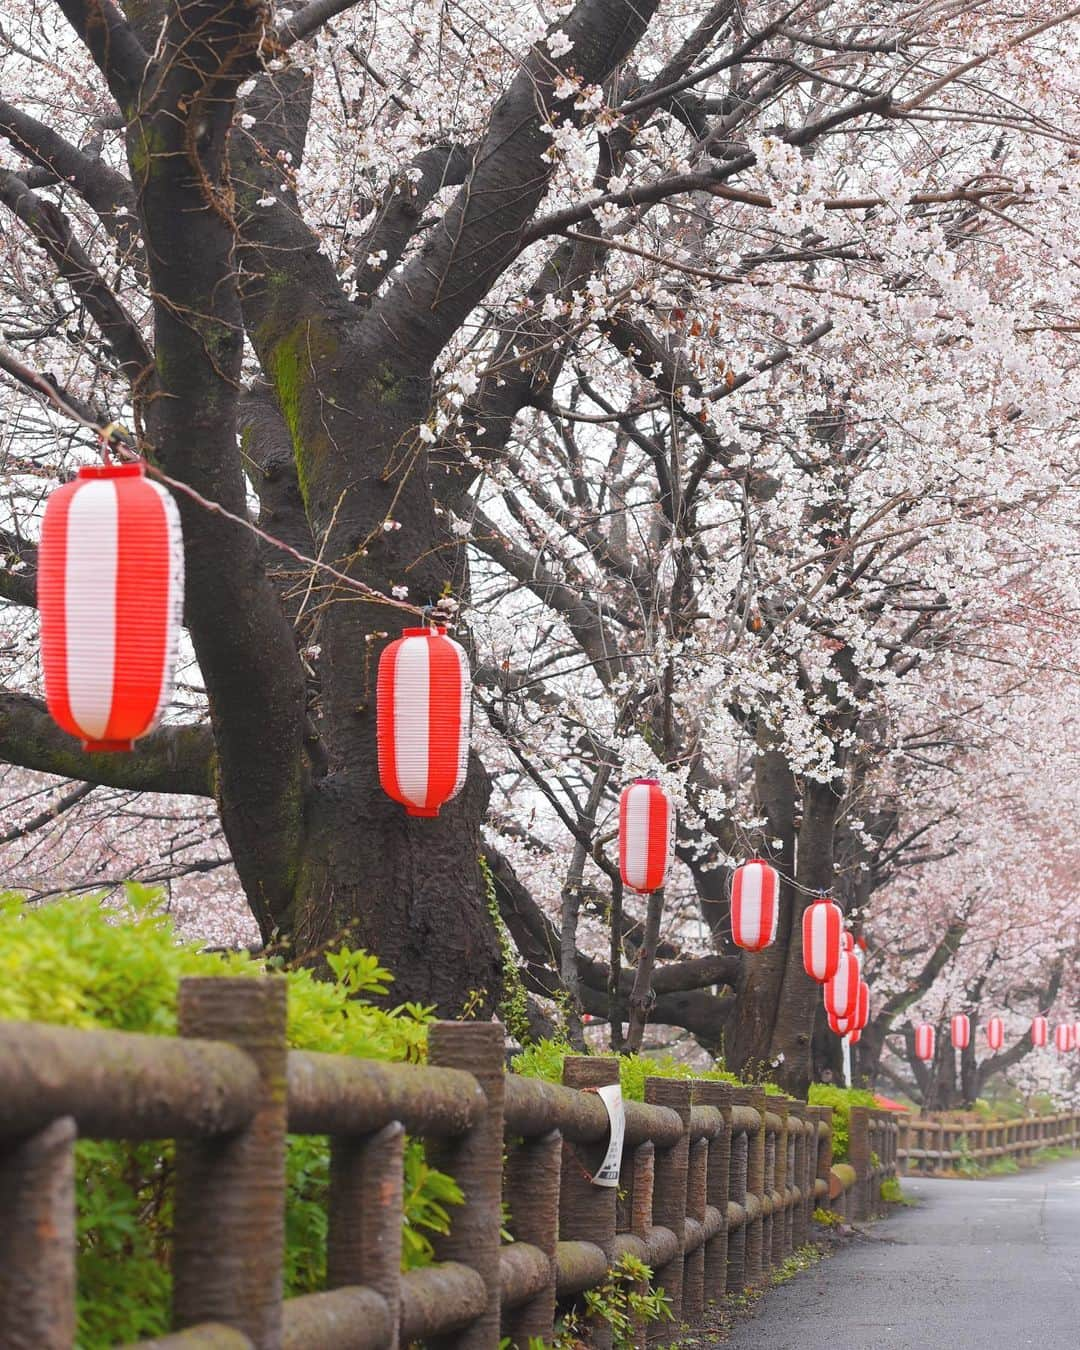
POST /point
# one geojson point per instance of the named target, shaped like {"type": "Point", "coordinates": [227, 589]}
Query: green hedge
{"type": "Point", "coordinates": [841, 1100]}
{"type": "Point", "coordinates": [545, 1060]}
{"type": "Point", "coordinates": [77, 962]}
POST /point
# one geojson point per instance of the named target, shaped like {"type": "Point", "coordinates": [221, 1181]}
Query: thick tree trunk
{"type": "Point", "coordinates": [408, 890]}
{"type": "Point", "coordinates": [800, 1003]}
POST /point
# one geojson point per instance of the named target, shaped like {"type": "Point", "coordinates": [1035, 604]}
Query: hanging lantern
{"type": "Point", "coordinates": [862, 1007]}
{"type": "Point", "coordinates": [842, 991]}
{"type": "Point", "coordinates": [960, 1029]}
{"type": "Point", "coordinates": [854, 1036]}
{"type": "Point", "coordinates": [424, 711]}
{"type": "Point", "coordinates": [646, 835]}
{"type": "Point", "coordinates": [995, 1033]}
{"type": "Point", "coordinates": [839, 1026]}
{"type": "Point", "coordinates": [1061, 1038]}
{"type": "Point", "coordinates": [1039, 1028]}
{"type": "Point", "coordinates": [110, 594]}
{"type": "Point", "coordinates": [1070, 1034]}
{"type": "Point", "coordinates": [755, 894]}
{"type": "Point", "coordinates": [1076, 1034]}
{"type": "Point", "coordinates": [925, 1036]}
{"type": "Point", "coordinates": [823, 922]}
{"type": "Point", "coordinates": [847, 940]}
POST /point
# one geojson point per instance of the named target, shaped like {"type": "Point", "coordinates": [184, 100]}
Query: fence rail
{"type": "Point", "coordinates": [936, 1143]}
{"type": "Point", "coordinates": [718, 1184]}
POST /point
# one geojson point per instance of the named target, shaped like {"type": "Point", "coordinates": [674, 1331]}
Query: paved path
{"type": "Point", "coordinates": [978, 1265]}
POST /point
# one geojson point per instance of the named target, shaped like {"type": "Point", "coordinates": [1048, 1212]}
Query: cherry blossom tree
{"type": "Point", "coordinates": [714, 363]}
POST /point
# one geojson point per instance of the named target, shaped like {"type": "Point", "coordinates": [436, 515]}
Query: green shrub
{"type": "Point", "coordinates": [891, 1191]}
{"type": "Point", "coordinates": [80, 963]}
{"type": "Point", "coordinates": [545, 1059]}
{"type": "Point", "coordinates": [841, 1100]}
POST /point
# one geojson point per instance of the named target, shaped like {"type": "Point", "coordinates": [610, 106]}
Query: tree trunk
{"type": "Point", "coordinates": [409, 890]}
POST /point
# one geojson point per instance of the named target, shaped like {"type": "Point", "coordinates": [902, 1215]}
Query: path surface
{"type": "Point", "coordinates": [978, 1265]}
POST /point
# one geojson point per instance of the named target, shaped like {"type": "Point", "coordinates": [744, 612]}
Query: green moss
{"type": "Point", "coordinates": [513, 1006]}
{"type": "Point", "coordinates": [145, 143]}
{"type": "Point", "coordinates": [385, 386]}
{"type": "Point", "coordinates": [289, 360]}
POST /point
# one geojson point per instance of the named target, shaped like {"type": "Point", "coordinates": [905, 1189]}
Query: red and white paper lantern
{"type": "Point", "coordinates": [755, 903]}
{"type": "Point", "coordinates": [839, 1026]}
{"type": "Point", "coordinates": [823, 922]}
{"type": "Point", "coordinates": [862, 1007]}
{"type": "Point", "coordinates": [995, 1033]}
{"type": "Point", "coordinates": [111, 597]}
{"type": "Point", "coordinates": [847, 940]}
{"type": "Point", "coordinates": [1039, 1029]}
{"type": "Point", "coordinates": [646, 835]}
{"type": "Point", "coordinates": [842, 991]}
{"type": "Point", "coordinates": [1070, 1028]}
{"type": "Point", "coordinates": [960, 1031]}
{"type": "Point", "coordinates": [1061, 1038]}
{"type": "Point", "coordinates": [925, 1036]}
{"type": "Point", "coordinates": [424, 713]}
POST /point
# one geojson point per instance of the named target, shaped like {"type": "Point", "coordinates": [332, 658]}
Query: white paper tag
{"type": "Point", "coordinates": [608, 1173]}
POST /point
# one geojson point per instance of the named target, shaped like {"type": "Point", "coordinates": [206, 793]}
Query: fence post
{"type": "Point", "coordinates": [532, 1190]}
{"type": "Point", "coordinates": [363, 1244]}
{"type": "Point", "coordinates": [796, 1140]}
{"type": "Point", "coordinates": [737, 1192]}
{"type": "Point", "coordinates": [229, 1225]}
{"type": "Point", "coordinates": [587, 1212]}
{"type": "Point", "coordinates": [717, 1184]}
{"type": "Point", "coordinates": [859, 1157]}
{"type": "Point", "coordinates": [669, 1191]}
{"type": "Point", "coordinates": [755, 1186]}
{"type": "Point", "coordinates": [781, 1218]}
{"type": "Point", "coordinates": [822, 1153]}
{"type": "Point", "coordinates": [697, 1180]}
{"type": "Point", "coordinates": [474, 1160]}
{"type": "Point", "coordinates": [37, 1239]}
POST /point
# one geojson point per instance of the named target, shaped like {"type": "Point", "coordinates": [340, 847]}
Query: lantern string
{"type": "Point", "coordinates": [113, 438]}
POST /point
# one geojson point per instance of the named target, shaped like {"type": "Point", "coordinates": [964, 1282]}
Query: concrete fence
{"type": "Point", "coordinates": [718, 1184]}
{"type": "Point", "coordinates": [944, 1143]}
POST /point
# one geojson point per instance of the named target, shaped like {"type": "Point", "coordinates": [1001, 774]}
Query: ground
{"type": "Point", "coordinates": [975, 1265]}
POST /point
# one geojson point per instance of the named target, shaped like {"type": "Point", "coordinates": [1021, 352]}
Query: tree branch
{"type": "Point", "coordinates": [172, 759]}
{"type": "Point", "coordinates": [482, 231]}
{"type": "Point", "coordinates": [112, 43]}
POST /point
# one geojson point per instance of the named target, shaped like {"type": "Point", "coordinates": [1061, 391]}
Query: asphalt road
{"type": "Point", "coordinates": [978, 1265]}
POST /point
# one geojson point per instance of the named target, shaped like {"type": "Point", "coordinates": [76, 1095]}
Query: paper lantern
{"type": "Point", "coordinates": [925, 1036]}
{"type": "Point", "coordinates": [110, 595]}
{"type": "Point", "coordinates": [1072, 1034]}
{"type": "Point", "coordinates": [424, 711]}
{"type": "Point", "coordinates": [1076, 1033]}
{"type": "Point", "coordinates": [862, 1007]}
{"type": "Point", "coordinates": [1039, 1028]}
{"type": "Point", "coordinates": [823, 922]}
{"type": "Point", "coordinates": [842, 991]}
{"type": "Point", "coordinates": [847, 940]}
{"type": "Point", "coordinates": [646, 835]}
{"type": "Point", "coordinates": [839, 1026]}
{"type": "Point", "coordinates": [995, 1033]}
{"type": "Point", "coordinates": [1061, 1038]}
{"type": "Point", "coordinates": [960, 1031]}
{"type": "Point", "coordinates": [755, 894]}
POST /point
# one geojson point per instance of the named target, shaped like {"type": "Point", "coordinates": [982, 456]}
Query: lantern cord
{"type": "Point", "coordinates": [113, 438]}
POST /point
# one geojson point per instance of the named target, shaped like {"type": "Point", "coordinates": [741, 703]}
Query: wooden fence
{"type": "Point", "coordinates": [718, 1184]}
{"type": "Point", "coordinates": [945, 1143]}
